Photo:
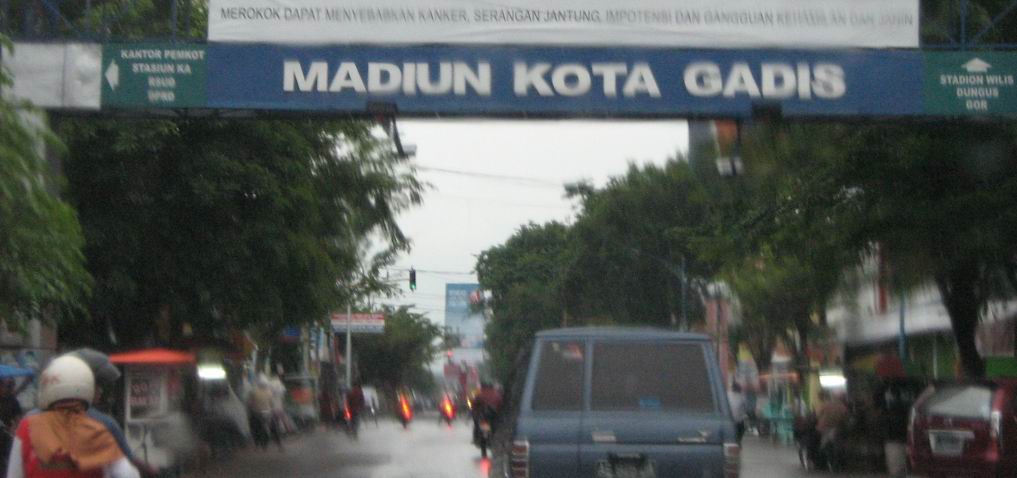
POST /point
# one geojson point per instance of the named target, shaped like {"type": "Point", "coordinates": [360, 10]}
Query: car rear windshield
{"type": "Point", "coordinates": [965, 401]}
{"type": "Point", "coordinates": [651, 376]}
{"type": "Point", "coordinates": [559, 381]}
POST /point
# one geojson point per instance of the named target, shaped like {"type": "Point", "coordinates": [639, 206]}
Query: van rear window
{"type": "Point", "coordinates": [559, 384]}
{"type": "Point", "coordinates": [965, 401]}
{"type": "Point", "coordinates": [651, 376]}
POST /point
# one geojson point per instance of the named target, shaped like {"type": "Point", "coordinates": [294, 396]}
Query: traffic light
{"type": "Point", "coordinates": [413, 279]}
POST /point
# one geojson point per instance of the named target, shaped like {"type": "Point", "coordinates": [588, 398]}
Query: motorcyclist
{"type": "Point", "coordinates": [355, 404]}
{"type": "Point", "coordinates": [105, 375]}
{"type": "Point", "coordinates": [63, 440]}
{"type": "Point", "coordinates": [830, 423]}
{"type": "Point", "coordinates": [486, 405]}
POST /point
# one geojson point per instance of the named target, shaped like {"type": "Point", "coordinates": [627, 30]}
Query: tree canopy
{"type": "Point", "coordinates": [202, 226]}
{"type": "Point", "coordinates": [41, 263]}
{"type": "Point", "coordinates": [401, 355]}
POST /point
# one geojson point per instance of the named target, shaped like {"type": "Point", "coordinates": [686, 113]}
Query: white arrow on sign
{"type": "Point", "coordinates": [976, 65]}
{"type": "Point", "coordinates": [113, 75]}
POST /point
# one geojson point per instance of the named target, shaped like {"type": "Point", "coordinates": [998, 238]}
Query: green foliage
{"type": "Point", "coordinates": [41, 264]}
{"type": "Point", "coordinates": [935, 198]}
{"type": "Point", "coordinates": [401, 355]}
{"type": "Point", "coordinates": [227, 224]}
{"type": "Point", "coordinates": [526, 279]}
{"type": "Point", "coordinates": [630, 242]}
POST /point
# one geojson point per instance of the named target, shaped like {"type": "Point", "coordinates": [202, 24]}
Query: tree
{"type": "Point", "coordinates": [936, 199]}
{"type": "Point", "coordinates": [783, 262]}
{"type": "Point", "coordinates": [401, 355]}
{"type": "Point", "coordinates": [41, 264]}
{"type": "Point", "coordinates": [634, 246]}
{"type": "Point", "coordinates": [212, 225]}
{"type": "Point", "coordinates": [525, 276]}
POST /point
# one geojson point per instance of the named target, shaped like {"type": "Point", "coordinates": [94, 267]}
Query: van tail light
{"type": "Point", "coordinates": [732, 460]}
{"type": "Point", "coordinates": [519, 459]}
{"type": "Point", "coordinates": [912, 417]}
{"type": "Point", "coordinates": [996, 429]}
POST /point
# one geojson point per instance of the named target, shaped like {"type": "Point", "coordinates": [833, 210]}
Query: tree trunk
{"type": "Point", "coordinates": [959, 289]}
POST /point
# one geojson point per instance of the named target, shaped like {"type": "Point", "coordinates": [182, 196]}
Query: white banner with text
{"type": "Point", "coordinates": [657, 23]}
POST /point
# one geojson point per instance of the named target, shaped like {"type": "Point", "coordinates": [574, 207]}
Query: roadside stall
{"type": "Point", "coordinates": [155, 403]}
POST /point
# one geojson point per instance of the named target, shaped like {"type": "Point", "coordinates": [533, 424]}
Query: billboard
{"type": "Point", "coordinates": [493, 81]}
{"type": "Point", "coordinates": [660, 23]}
{"type": "Point", "coordinates": [359, 323]}
{"type": "Point", "coordinates": [460, 316]}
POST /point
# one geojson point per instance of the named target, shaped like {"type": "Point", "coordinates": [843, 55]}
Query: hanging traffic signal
{"type": "Point", "coordinates": [413, 279]}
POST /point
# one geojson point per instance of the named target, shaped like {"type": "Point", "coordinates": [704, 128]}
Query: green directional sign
{"type": "Point", "coordinates": [155, 75]}
{"type": "Point", "coordinates": [970, 83]}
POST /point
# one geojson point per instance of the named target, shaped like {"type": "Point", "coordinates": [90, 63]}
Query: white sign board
{"type": "Point", "coordinates": [660, 23]}
{"type": "Point", "coordinates": [54, 75]}
{"type": "Point", "coordinates": [359, 323]}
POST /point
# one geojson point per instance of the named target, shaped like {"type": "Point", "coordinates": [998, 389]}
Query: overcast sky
{"type": "Point", "coordinates": [489, 177]}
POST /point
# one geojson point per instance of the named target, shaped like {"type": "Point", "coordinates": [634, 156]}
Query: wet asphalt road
{"type": "Point", "coordinates": [386, 450]}
{"type": "Point", "coordinates": [429, 450]}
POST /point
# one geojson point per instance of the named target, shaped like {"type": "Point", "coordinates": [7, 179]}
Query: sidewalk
{"type": "Point", "coordinates": [763, 459]}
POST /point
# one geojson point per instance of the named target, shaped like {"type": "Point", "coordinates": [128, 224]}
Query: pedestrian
{"type": "Point", "coordinates": [63, 440]}
{"type": "Point", "coordinates": [893, 408]}
{"type": "Point", "coordinates": [739, 411]}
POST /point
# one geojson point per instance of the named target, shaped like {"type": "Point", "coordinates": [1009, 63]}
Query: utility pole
{"type": "Point", "coordinates": [685, 296]}
{"type": "Point", "coordinates": [349, 346]}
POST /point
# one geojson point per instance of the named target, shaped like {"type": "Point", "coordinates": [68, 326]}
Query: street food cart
{"type": "Point", "coordinates": [155, 408]}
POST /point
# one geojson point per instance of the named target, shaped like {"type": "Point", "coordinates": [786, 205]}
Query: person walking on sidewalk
{"type": "Point", "coordinates": [739, 412]}
{"type": "Point", "coordinates": [63, 441]}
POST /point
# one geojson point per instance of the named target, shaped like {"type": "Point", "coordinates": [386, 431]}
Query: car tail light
{"type": "Point", "coordinates": [996, 429]}
{"type": "Point", "coordinates": [912, 417]}
{"type": "Point", "coordinates": [732, 460]}
{"type": "Point", "coordinates": [519, 460]}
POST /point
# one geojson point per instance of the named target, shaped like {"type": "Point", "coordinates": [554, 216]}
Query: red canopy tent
{"type": "Point", "coordinates": [153, 357]}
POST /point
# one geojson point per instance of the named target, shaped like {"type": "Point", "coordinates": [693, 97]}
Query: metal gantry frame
{"type": "Point", "coordinates": [964, 41]}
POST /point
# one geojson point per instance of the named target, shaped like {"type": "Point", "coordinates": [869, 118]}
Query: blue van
{"type": "Point", "coordinates": [618, 402]}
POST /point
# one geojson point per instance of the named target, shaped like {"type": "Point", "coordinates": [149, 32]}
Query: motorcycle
{"type": "Point", "coordinates": [352, 421]}
{"type": "Point", "coordinates": [448, 411]}
{"type": "Point", "coordinates": [405, 411]}
{"type": "Point", "coordinates": [484, 430]}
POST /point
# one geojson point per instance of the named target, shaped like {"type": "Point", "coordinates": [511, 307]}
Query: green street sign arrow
{"type": "Point", "coordinates": [154, 75]}
{"type": "Point", "coordinates": [970, 83]}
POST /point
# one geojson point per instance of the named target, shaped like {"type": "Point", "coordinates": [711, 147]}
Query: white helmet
{"type": "Point", "coordinates": [66, 377]}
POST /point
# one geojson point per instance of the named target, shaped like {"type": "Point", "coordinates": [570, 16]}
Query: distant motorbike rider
{"type": "Point", "coordinates": [63, 440]}
{"type": "Point", "coordinates": [355, 404]}
{"type": "Point", "coordinates": [486, 406]}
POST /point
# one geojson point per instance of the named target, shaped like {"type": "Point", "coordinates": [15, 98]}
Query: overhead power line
{"type": "Point", "coordinates": [431, 271]}
{"type": "Point", "coordinates": [528, 181]}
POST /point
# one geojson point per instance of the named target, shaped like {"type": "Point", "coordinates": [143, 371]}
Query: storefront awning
{"type": "Point", "coordinates": [153, 357]}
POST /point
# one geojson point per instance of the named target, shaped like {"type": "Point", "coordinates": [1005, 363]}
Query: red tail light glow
{"type": "Point", "coordinates": [405, 407]}
{"type": "Point", "coordinates": [447, 406]}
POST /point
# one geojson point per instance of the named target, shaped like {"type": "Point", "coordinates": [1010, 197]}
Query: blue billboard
{"type": "Point", "coordinates": [461, 317]}
{"type": "Point", "coordinates": [515, 81]}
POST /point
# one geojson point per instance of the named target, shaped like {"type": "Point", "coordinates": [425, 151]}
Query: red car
{"type": "Point", "coordinates": [965, 429]}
